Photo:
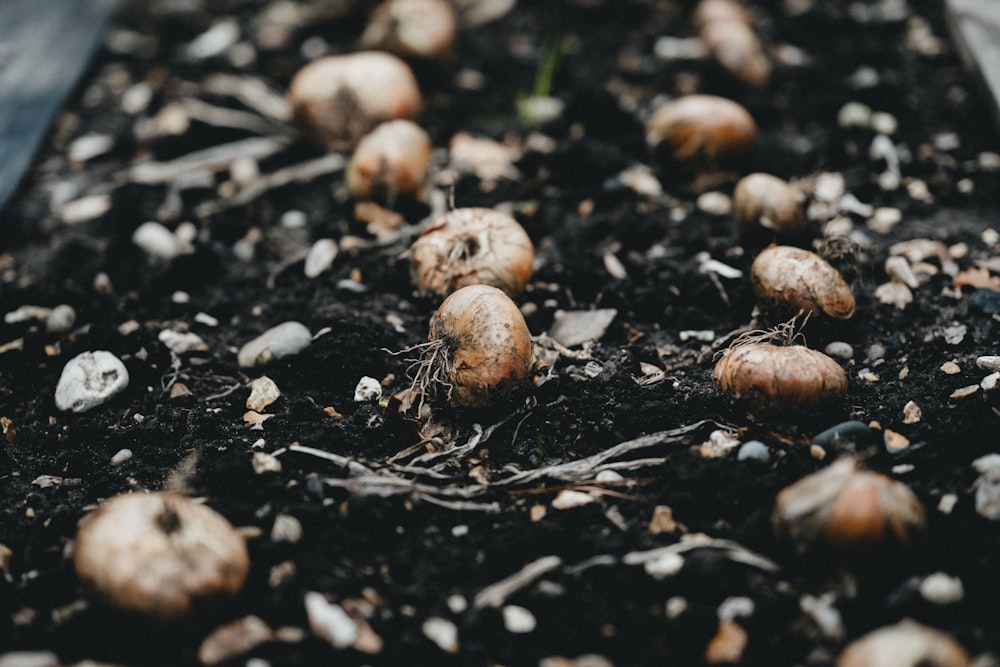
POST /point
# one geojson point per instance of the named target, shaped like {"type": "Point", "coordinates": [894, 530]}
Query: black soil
{"type": "Point", "coordinates": [418, 551]}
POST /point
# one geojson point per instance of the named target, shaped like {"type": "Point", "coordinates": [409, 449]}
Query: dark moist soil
{"type": "Point", "coordinates": [417, 552]}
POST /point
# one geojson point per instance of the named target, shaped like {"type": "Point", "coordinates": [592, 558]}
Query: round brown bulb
{"type": "Point", "coordinates": [472, 246]}
{"type": "Point", "coordinates": [767, 207]}
{"type": "Point", "coordinates": [851, 513]}
{"type": "Point", "coordinates": [702, 133]}
{"type": "Point", "coordinates": [779, 377]}
{"type": "Point", "coordinates": [791, 279]}
{"type": "Point", "coordinates": [419, 28]}
{"type": "Point", "coordinates": [726, 29]}
{"type": "Point", "coordinates": [905, 644]}
{"type": "Point", "coordinates": [479, 348]}
{"type": "Point", "coordinates": [159, 555]}
{"type": "Point", "coordinates": [391, 160]}
{"type": "Point", "coordinates": [341, 98]}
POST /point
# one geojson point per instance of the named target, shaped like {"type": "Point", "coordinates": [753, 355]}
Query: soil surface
{"type": "Point", "coordinates": [668, 556]}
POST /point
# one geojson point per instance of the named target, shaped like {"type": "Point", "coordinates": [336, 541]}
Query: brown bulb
{"type": "Point", "coordinates": [905, 644]}
{"type": "Point", "coordinates": [159, 555]}
{"type": "Point", "coordinates": [418, 28]}
{"type": "Point", "coordinates": [790, 280]}
{"type": "Point", "coordinates": [341, 98]}
{"type": "Point", "coordinates": [852, 513]}
{"type": "Point", "coordinates": [393, 159]}
{"type": "Point", "coordinates": [472, 246]}
{"type": "Point", "coordinates": [767, 207]}
{"type": "Point", "coordinates": [772, 377]}
{"type": "Point", "coordinates": [726, 29]}
{"type": "Point", "coordinates": [702, 133]}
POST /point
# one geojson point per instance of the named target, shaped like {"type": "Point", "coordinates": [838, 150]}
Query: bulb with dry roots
{"type": "Point", "coordinates": [766, 207]}
{"type": "Point", "coordinates": [159, 555]}
{"type": "Point", "coordinates": [702, 133]}
{"type": "Point", "coordinates": [852, 513]}
{"type": "Point", "coordinates": [905, 644]}
{"type": "Point", "coordinates": [340, 98]}
{"type": "Point", "coordinates": [792, 279]}
{"type": "Point", "coordinates": [391, 160]}
{"type": "Point", "coordinates": [420, 28]}
{"type": "Point", "coordinates": [769, 373]}
{"type": "Point", "coordinates": [478, 349]}
{"type": "Point", "coordinates": [472, 246]}
{"type": "Point", "coordinates": [726, 29]}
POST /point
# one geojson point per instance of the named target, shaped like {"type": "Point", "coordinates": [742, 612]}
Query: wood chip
{"type": "Point", "coordinates": [950, 368]}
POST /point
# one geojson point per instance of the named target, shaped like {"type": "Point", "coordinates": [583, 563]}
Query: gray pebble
{"type": "Point", "coordinates": [839, 350]}
{"type": "Point", "coordinates": [754, 450]}
{"type": "Point", "coordinates": [989, 363]}
{"type": "Point", "coordinates": [90, 379]}
{"type": "Point", "coordinates": [121, 456]}
{"type": "Point", "coordinates": [156, 240]}
{"type": "Point", "coordinates": [846, 435]}
{"type": "Point", "coordinates": [320, 257]}
{"type": "Point", "coordinates": [60, 320]}
{"type": "Point", "coordinates": [277, 342]}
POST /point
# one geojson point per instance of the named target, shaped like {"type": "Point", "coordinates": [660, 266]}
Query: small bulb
{"type": "Point", "coordinates": [393, 159]}
{"type": "Point", "coordinates": [792, 279]}
{"type": "Point", "coordinates": [766, 207]}
{"type": "Point", "coordinates": [419, 28]}
{"type": "Point", "coordinates": [726, 29]}
{"type": "Point", "coordinates": [779, 377]}
{"type": "Point", "coordinates": [702, 133]}
{"type": "Point", "coordinates": [340, 98]}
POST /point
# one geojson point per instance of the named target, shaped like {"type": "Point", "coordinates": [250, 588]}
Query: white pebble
{"type": "Point", "coordinates": [884, 123]}
{"type": "Point", "coordinates": [941, 589]}
{"type": "Point", "coordinates": [286, 528]}
{"type": "Point", "coordinates": [442, 632]}
{"type": "Point", "coordinates": [263, 392]}
{"type": "Point", "coordinates": [25, 313]}
{"type": "Point", "coordinates": [884, 218]}
{"type": "Point", "coordinates": [715, 203]}
{"type": "Point", "coordinates": [121, 456]}
{"type": "Point", "coordinates": [156, 240]}
{"type": "Point", "coordinates": [839, 350]}
{"type": "Point", "coordinates": [368, 388]}
{"type": "Point", "coordinates": [60, 320]}
{"type": "Point", "coordinates": [90, 379]}
{"type": "Point", "coordinates": [518, 620]}
{"type": "Point", "coordinates": [277, 342]}
{"type": "Point", "coordinates": [294, 219]}
{"type": "Point", "coordinates": [666, 565]}
{"type": "Point", "coordinates": [753, 450]}
{"type": "Point", "coordinates": [320, 257]}
{"type": "Point", "coordinates": [206, 319]}
{"type": "Point", "coordinates": [855, 114]}
{"type": "Point", "coordinates": [329, 621]}
{"type": "Point", "coordinates": [989, 363]}
{"type": "Point", "coordinates": [989, 383]}
{"type": "Point", "coordinates": [182, 342]}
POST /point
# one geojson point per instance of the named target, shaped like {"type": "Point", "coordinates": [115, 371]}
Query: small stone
{"type": "Point", "coordinates": [29, 659]}
{"type": "Point", "coordinates": [847, 435]}
{"type": "Point", "coordinates": [715, 203]}
{"type": "Point", "coordinates": [286, 528]}
{"type": "Point", "coordinates": [329, 621]}
{"type": "Point", "coordinates": [90, 379]}
{"type": "Point", "coordinates": [988, 491]}
{"type": "Point", "coordinates": [85, 208]}
{"type": "Point", "coordinates": [665, 565]}
{"type": "Point", "coordinates": [263, 392]}
{"type": "Point", "coordinates": [728, 644]}
{"type": "Point", "coordinates": [368, 389]}
{"type": "Point", "coordinates": [571, 328]}
{"type": "Point", "coordinates": [753, 450]}
{"type": "Point", "coordinates": [912, 413]}
{"type": "Point", "coordinates": [955, 334]}
{"type": "Point", "coordinates": [950, 368]}
{"type": "Point", "coordinates": [182, 342]}
{"type": "Point", "coordinates": [855, 114]}
{"type": "Point", "coordinates": [895, 442]}
{"type": "Point", "coordinates": [234, 640]}
{"type": "Point", "coordinates": [662, 521]}
{"type": "Point", "coordinates": [941, 589]}
{"type": "Point", "coordinates": [947, 503]}
{"type": "Point", "coordinates": [320, 257]}
{"type": "Point", "coordinates": [568, 499]}
{"type": "Point", "coordinates": [263, 462]}
{"type": "Point", "coordinates": [964, 392]}
{"type": "Point", "coordinates": [989, 383]}
{"type": "Point", "coordinates": [277, 342]}
{"type": "Point", "coordinates": [817, 452]}
{"type": "Point", "coordinates": [442, 632]}
{"type": "Point", "coordinates": [518, 620]}
{"type": "Point", "coordinates": [121, 456]}
{"type": "Point", "coordinates": [884, 123]}
{"type": "Point", "coordinates": [156, 240]}
{"type": "Point", "coordinates": [989, 363]}
{"type": "Point", "coordinates": [206, 319]}
{"type": "Point", "coordinates": [894, 294]}
{"type": "Point", "coordinates": [899, 270]}
{"type": "Point", "coordinates": [60, 320]}
{"type": "Point", "coordinates": [839, 350]}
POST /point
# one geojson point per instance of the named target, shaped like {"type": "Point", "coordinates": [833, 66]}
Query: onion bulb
{"type": "Point", "coordinates": [478, 350]}
{"type": "Point", "coordinates": [340, 98]}
{"type": "Point", "coordinates": [793, 279]}
{"type": "Point", "coordinates": [420, 28]}
{"type": "Point", "coordinates": [774, 377]}
{"type": "Point", "coordinates": [393, 159]}
{"type": "Point", "coordinates": [159, 555]}
{"type": "Point", "coordinates": [472, 246]}
{"type": "Point", "coordinates": [767, 207]}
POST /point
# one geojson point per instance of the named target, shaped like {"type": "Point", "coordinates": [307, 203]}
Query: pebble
{"type": "Point", "coordinates": [121, 456]}
{"type": "Point", "coordinates": [320, 257]}
{"type": "Point", "coordinates": [234, 640]}
{"type": "Point", "coordinates": [988, 487]}
{"type": "Point", "coordinates": [715, 203]}
{"type": "Point", "coordinates": [753, 450]}
{"type": "Point", "coordinates": [989, 363]}
{"type": "Point", "coordinates": [989, 383]}
{"type": "Point", "coordinates": [912, 413]}
{"type": "Point", "coordinates": [156, 240]}
{"type": "Point", "coordinates": [568, 499]}
{"type": "Point", "coordinates": [286, 528]}
{"type": "Point", "coordinates": [898, 269]}
{"type": "Point", "coordinates": [277, 342]}
{"type": "Point", "coordinates": [518, 620]}
{"type": "Point", "coordinates": [329, 621]}
{"type": "Point", "coordinates": [182, 342]}
{"type": "Point", "coordinates": [964, 392]}
{"type": "Point", "coordinates": [368, 389]}
{"type": "Point", "coordinates": [839, 350]}
{"type": "Point", "coordinates": [60, 320]}
{"type": "Point", "coordinates": [941, 589]}
{"type": "Point", "coordinates": [263, 392]}
{"type": "Point", "coordinates": [262, 463]}
{"type": "Point", "coordinates": [90, 379]}
{"type": "Point", "coordinates": [442, 632]}
{"type": "Point", "coordinates": [895, 442]}
{"type": "Point", "coordinates": [846, 435]}
{"type": "Point", "coordinates": [855, 114]}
